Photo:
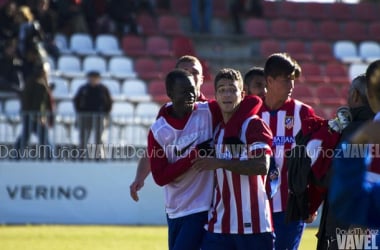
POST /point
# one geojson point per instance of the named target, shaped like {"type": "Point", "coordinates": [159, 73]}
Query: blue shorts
{"type": "Point", "coordinates": [288, 235]}
{"type": "Point", "coordinates": [217, 241]}
{"type": "Point", "coordinates": [186, 233]}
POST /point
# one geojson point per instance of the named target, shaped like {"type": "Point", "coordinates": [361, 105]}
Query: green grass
{"type": "Point", "coordinates": [97, 238]}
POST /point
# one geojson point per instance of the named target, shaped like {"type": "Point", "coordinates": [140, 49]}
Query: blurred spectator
{"type": "Point", "coordinates": [201, 15]}
{"type": "Point", "coordinates": [10, 67]}
{"type": "Point", "coordinates": [31, 59]}
{"type": "Point", "coordinates": [146, 5]}
{"type": "Point", "coordinates": [244, 7]}
{"type": "Point", "coordinates": [95, 12]}
{"type": "Point", "coordinates": [123, 13]}
{"type": "Point", "coordinates": [37, 111]}
{"type": "Point", "coordinates": [70, 17]}
{"type": "Point", "coordinates": [93, 104]}
{"type": "Point", "coordinates": [47, 18]}
{"type": "Point", "coordinates": [9, 25]}
{"type": "Point", "coordinates": [30, 33]}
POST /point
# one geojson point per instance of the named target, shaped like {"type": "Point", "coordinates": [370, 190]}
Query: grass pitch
{"type": "Point", "coordinates": [98, 238]}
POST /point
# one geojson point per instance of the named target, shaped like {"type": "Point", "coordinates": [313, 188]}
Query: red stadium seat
{"type": "Point", "coordinates": [148, 24]}
{"type": "Point", "coordinates": [312, 74]}
{"type": "Point", "coordinates": [257, 28]}
{"type": "Point", "coordinates": [157, 90]}
{"type": "Point", "coordinates": [167, 64]}
{"type": "Point", "coordinates": [317, 11]}
{"type": "Point", "coordinates": [341, 11]}
{"type": "Point", "coordinates": [281, 28]}
{"type": "Point", "coordinates": [182, 46]}
{"type": "Point", "coordinates": [158, 46]}
{"type": "Point", "coordinates": [355, 31]}
{"type": "Point", "coordinates": [337, 73]}
{"type": "Point", "coordinates": [305, 94]}
{"type": "Point", "coordinates": [147, 68]}
{"type": "Point", "coordinates": [169, 25]}
{"type": "Point", "coordinates": [330, 30]}
{"type": "Point", "coordinates": [322, 51]}
{"type": "Point", "coordinates": [374, 31]}
{"type": "Point", "coordinates": [306, 29]}
{"type": "Point", "coordinates": [365, 11]}
{"type": "Point", "coordinates": [297, 49]}
{"type": "Point", "coordinates": [292, 10]}
{"type": "Point", "coordinates": [271, 9]}
{"type": "Point", "coordinates": [208, 89]}
{"type": "Point", "coordinates": [329, 96]}
{"type": "Point", "coordinates": [133, 45]}
{"type": "Point", "coordinates": [268, 47]}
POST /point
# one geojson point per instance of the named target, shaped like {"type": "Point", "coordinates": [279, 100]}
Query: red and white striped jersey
{"type": "Point", "coordinates": [285, 123]}
{"type": "Point", "coordinates": [240, 204]}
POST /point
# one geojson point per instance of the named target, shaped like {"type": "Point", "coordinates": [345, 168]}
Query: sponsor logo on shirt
{"type": "Point", "coordinates": [289, 122]}
{"type": "Point", "coordinates": [282, 140]}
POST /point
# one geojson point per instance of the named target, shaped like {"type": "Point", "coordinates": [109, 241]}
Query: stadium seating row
{"type": "Point", "coordinates": [348, 52]}
{"type": "Point", "coordinates": [307, 29]}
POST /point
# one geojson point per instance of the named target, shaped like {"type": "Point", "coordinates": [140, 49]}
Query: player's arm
{"type": "Point", "coordinates": [164, 172]}
{"type": "Point", "coordinates": [257, 160]}
{"type": "Point", "coordinates": [255, 166]}
{"type": "Point", "coordinates": [143, 170]}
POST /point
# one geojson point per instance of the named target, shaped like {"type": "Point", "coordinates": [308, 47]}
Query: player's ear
{"type": "Point", "coordinates": [242, 94]}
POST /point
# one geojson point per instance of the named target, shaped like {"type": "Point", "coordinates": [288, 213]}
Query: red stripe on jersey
{"type": "Point", "coordinates": [255, 213]}
{"type": "Point", "coordinates": [237, 192]}
{"type": "Point", "coordinates": [226, 197]}
{"type": "Point", "coordinates": [214, 217]}
{"type": "Point", "coordinates": [284, 171]}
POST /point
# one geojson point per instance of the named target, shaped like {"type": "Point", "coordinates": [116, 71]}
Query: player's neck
{"type": "Point", "coordinates": [273, 103]}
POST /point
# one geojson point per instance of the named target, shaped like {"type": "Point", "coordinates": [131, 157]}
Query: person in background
{"type": "Point", "coordinates": [201, 15]}
{"type": "Point", "coordinates": [93, 104]}
{"type": "Point", "coordinates": [8, 19]}
{"type": "Point", "coordinates": [240, 217]}
{"type": "Point", "coordinates": [10, 68]}
{"type": "Point", "coordinates": [284, 116]}
{"type": "Point", "coordinates": [194, 66]}
{"type": "Point", "coordinates": [254, 82]}
{"type": "Point", "coordinates": [239, 7]}
{"type": "Point", "coordinates": [355, 183]}
{"type": "Point", "coordinates": [37, 108]}
{"type": "Point", "coordinates": [360, 112]}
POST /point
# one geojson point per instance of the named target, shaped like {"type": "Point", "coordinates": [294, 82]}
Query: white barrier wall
{"type": "Point", "coordinates": [76, 193]}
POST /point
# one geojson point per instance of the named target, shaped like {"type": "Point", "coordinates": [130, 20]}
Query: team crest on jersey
{"type": "Point", "coordinates": [289, 122]}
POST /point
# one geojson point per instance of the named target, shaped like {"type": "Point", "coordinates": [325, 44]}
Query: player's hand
{"type": "Point", "coordinates": [134, 188]}
{"type": "Point", "coordinates": [312, 217]}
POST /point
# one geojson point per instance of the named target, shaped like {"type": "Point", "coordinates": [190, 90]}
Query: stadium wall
{"type": "Point", "coordinates": [76, 193]}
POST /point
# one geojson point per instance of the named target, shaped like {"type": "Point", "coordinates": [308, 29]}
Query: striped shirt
{"type": "Point", "coordinates": [240, 204]}
{"type": "Point", "coordinates": [285, 123]}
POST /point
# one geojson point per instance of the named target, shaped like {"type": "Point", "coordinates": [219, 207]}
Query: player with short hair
{"type": "Point", "coordinates": [240, 217]}
{"type": "Point", "coordinates": [194, 66]}
{"type": "Point", "coordinates": [183, 129]}
{"type": "Point", "coordinates": [254, 82]}
{"type": "Point", "coordinates": [284, 116]}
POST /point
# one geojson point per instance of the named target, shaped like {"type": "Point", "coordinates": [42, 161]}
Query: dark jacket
{"type": "Point", "coordinates": [93, 99]}
{"type": "Point", "coordinates": [328, 223]}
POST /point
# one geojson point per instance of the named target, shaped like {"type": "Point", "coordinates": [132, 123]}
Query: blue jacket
{"type": "Point", "coordinates": [354, 200]}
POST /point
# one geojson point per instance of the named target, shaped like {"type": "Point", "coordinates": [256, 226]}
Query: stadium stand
{"type": "Point", "coordinates": [333, 42]}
